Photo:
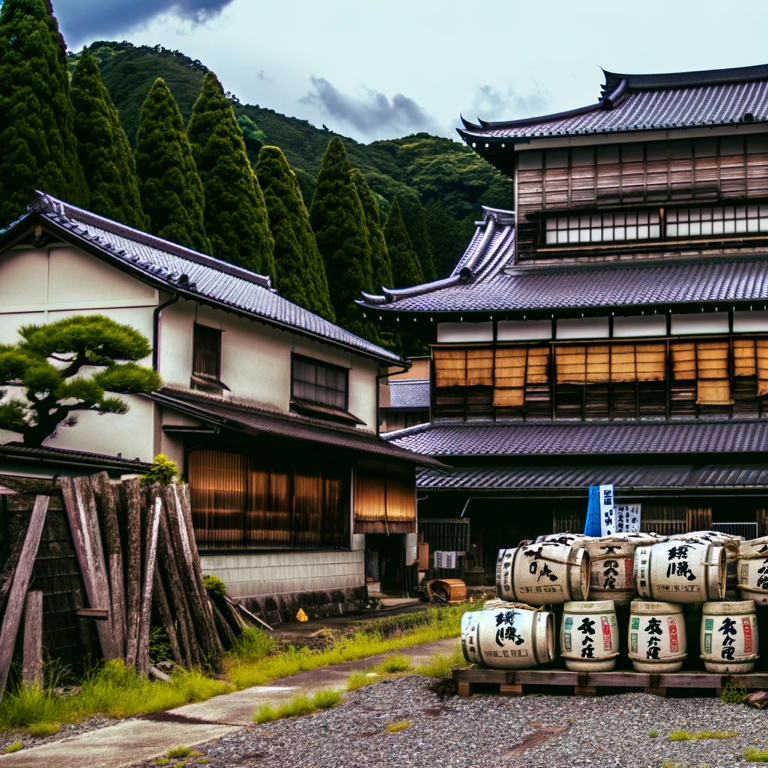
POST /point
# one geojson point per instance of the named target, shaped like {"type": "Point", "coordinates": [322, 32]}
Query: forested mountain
{"type": "Point", "coordinates": [418, 169]}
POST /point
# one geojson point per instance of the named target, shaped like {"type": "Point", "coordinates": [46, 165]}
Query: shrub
{"type": "Point", "coordinates": [401, 725]}
{"type": "Point", "coordinates": [214, 585]}
{"type": "Point", "coordinates": [159, 645]}
{"type": "Point", "coordinates": [163, 471]}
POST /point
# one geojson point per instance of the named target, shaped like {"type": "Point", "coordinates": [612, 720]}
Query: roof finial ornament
{"type": "Point", "coordinates": [42, 203]}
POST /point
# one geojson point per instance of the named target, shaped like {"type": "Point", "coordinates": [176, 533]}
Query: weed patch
{"type": "Point", "coordinates": [370, 639]}
{"type": "Point", "coordinates": [733, 694]}
{"type": "Point", "coordinates": [393, 664]}
{"type": "Point", "coordinates": [359, 678]}
{"type": "Point", "coordinates": [441, 664]}
{"type": "Point", "coordinates": [14, 746]}
{"type": "Point", "coordinates": [401, 725]}
{"type": "Point", "coordinates": [699, 735]}
{"type": "Point", "coordinates": [300, 704]}
{"type": "Point", "coordinates": [679, 736]}
{"type": "Point", "coordinates": [182, 750]}
{"type": "Point", "coordinates": [753, 755]}
{"type": "Point", "coordinates": [653, 734]}
{"type": "Point", "coordinates": [41, 730]}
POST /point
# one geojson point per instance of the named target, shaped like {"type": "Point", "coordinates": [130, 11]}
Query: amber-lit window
{"type": "Point", "coordinates": [250, 502]}
{"type": "Point", "coordinates": [385, 498]}
{"type": "Point", "coordinates": [706, 363]}
{"type": "Point", "coordinates": [750, 360]}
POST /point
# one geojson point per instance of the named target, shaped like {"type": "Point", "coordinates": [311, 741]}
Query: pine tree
{"type": "Point", "coordinates": [406, 269]}
{"type": "Point", "coordinates": [338, 220]}
{"type": "Point", "coordinates": [235, 213]}
{"type": "Point", "coordinates": [381, 266]}
{"type": "Point", "coordinates": [38, 149]}
{"type": "Point", "coordinates": [446, 235]}
{"type": "Point", "coordinates": [103, 148]}
{"type": "Point", "coordinates": [297, 259]}
{"type": "Point", "coordinates": [171, 190]}
{"type": "Point", "coordinates": [415, 222]}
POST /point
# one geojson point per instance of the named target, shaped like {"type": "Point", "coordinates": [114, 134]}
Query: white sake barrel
{"type": "Point", "coordinates": [513, 637]}
{"type": "Point", "coordinates": [729, 640]}
{"type": "Point", "coordinates": [542, 574]}
{"type": "Point", "coordinates": [589, 636]}
{"type": "Point", "coordinates": [575, 540]}
{"type": "Point", "coordinates": [612, 565]}
{"type": "Point", "coordinates": [680, 571]}
{"type": "Point", "coordinates": [753, 570]}
{"type": "Point", "coordinates": [656, 636]}
{"type": "Point", "coordinates": [726, 540]}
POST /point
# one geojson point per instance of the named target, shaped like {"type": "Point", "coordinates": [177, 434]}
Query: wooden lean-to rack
{"type": "Point", "coordinates": [518, 682]}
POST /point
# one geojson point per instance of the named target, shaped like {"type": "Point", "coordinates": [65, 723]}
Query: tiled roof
{"type": "Point", "coordinates": [648, 102]}
{"type": "Point", "coordinates": [256, 420]}
{"type": "Point", "coordinates": [195, 274]}
{"type": "Point", "coordinates": [409, 393]}
{"type": "Point", "coordinates": [529, 479]}
{"type": "Point", "coordinates": [584, 438]}
{"type": "Point", "coordinates": [66, 456]}
{"type": "Point", "coordinates": [486, 279]}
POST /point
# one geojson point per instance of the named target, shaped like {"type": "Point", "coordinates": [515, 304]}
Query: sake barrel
{"type": "Point", "coordinates": [575, 540]}
{"type": "Point", "coordinates": [680, 571]}
{"type": "Point", "coordinates": [542, 574]}
{"type": "Point", "coordinates": [729, 638]}
{"type": "Point", "coordinates": [513, 637]}
{"type": "Point", "coordinates": [726, 540]}
{"type": "Point", "coordinates": [589, 636]}
{"type": "Point", "coordinates": [753, 570]}
{"type": "Point", "coordinates": [656, 636]}
{"type": "Point", "coordinates": [612, 565]}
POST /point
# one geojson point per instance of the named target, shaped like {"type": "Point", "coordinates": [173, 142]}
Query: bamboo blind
{"type": "Point", "coordinates": [750, 358]}
{"type": "Point", "coordinates": [707, 363]}
{"type": "Point", "coordinates": [450, 367]}
{"type": "Point", "coordinates": [514, 367]}
{"type": "Point", "coordinates": [385, 498]}
{"type": "Point", "coordinates": [604, 363]}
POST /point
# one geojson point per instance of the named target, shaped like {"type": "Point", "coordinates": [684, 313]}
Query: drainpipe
{"type": "Point", "coordinates": [379, 377]}
{"type": "Point", "coordinates": [156, 329]}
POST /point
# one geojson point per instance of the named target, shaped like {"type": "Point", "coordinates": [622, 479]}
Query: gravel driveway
{"type": "Point", "coordinates": [535, 731]}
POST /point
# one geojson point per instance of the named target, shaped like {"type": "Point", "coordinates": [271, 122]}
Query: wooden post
{"type": "Point", "coordinates": [153, 526]}
{"type": "Point", "coordinates": [107, 495]}
{"type": "Point", "coordinates": [186, 633]}
{"type": "Point", "coordinates": [9, 568]}
{"type": "Point", "coordinates": [161, 601]}
{"type": "Point", "coordinates": [32, 668]}
{"type": "Point", "coordinates": [202, 614]}
{"type": "Point", "coordinates": [18, 592]}
{"type": "Point", "coordinates": [133, 551]}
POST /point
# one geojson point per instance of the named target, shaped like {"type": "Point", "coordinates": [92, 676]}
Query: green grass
{"type": "Point", "coordinates": [679, 736]}
{"type": "Point", "coordinates": [400, 725]}
{"type": "Point", "coordinates": [359, 678]}
{"type": "Point", "coordinates": [441, 664]}
{"type": "Point", "coordinates": [14, 746]}
{"type": "Point", "coordinates": [300, 704]}
{"type": "Point", "coordinates": [182, 750]}
{"type": "Point", "coordinates": [114, 690]}
{"type": "Point", "coordinates": [753, 755]}
{"type": "Point", "coordinates": [43, 729]}
{"type": "Point", "coordinates": [699, 735]}
{"type": "Point", "coordinates": [393, 664]}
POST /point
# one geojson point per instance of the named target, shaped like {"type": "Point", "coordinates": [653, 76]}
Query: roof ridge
{"type": "Point", "coordinates": [688, 79]}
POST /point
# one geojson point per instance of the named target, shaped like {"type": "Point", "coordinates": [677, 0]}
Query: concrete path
{"type": "Point", "coordinates": [134, 741]}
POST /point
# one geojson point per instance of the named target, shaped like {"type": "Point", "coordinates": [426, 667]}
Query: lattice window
{"type": "Point", "coordinates": [603, 228]}
{"type": "Point", "coordinates": [316, 382]}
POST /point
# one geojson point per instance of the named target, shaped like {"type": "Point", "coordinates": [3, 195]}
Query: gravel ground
{"type": "Point", "coordinates": [534, 731]}
{"type": "Point", "coordinates": [66, 732]}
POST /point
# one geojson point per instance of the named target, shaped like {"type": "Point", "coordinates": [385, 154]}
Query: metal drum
{"type": "Point", "coordinates": [681, 571]}
{"type": "Point", "coordinates": [729, 638]}
{"type": "Point", "coordinates": [753, 570]}
{"type": "Point", "coordinates": [656, 636]}
{"type": "Point", "coordinates": [612, 565]}
{"type": "Point", "coordinates": [511, 637]}
{"type": "Point", "coordinates": [542, 574]}
{"type": "Point", "coordinates": [589, 636]}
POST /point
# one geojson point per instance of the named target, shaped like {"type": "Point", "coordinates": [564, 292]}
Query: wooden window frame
{"type": "Point", "coordinates": [209, 381]}
{"type": "Point", "coordinates": [318, 364]}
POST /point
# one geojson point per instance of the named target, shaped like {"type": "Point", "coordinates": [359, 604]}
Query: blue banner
{"type": "Point", "coordinates": [592, 526]}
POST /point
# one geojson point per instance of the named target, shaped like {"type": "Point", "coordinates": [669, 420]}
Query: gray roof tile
{"type": "Point", "coordinates": [584, 438]}
{"type": "Point", "coordinates": [409, 393]}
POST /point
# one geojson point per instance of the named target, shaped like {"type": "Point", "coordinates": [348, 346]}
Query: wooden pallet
{"type": "Point", "coordinates": [513, 683]}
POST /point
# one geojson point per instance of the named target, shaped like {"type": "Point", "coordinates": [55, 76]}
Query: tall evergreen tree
{"type": "Point", "coordinates": [297, 259]}
{"type": "Point", "coordinates": [416, 223]}
{"type": "Point", "coordinates": [446, 235]}
{"type": "Point", "coordinates": [338, 220]}
{"type": "Point", "coordinates": [103, 148]}
{"type": "Point", "coordinates": [235, 213]}
{"type": "Point", "coordinates": [38, 149]}
{"type": "Point", "coordinates": [171, 190]}
{"type": "Point", "coordinates": [406, 269]}
{"type": "Point", "coordinates": [381, 266]}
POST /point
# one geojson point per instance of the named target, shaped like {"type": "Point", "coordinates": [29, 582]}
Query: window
{"type": "Point", "coordinates": [385, 498]}
{"type": "Point", "coordinates": [723, 220]}
{"type": "Point", "coordinates": [603, 227]}
{"type": "Point", "coordinates": [254, 502]}
{"type": "Point", "coordinates": [320, 383]}
{"type": "Point", "coordinates": [206, 359]}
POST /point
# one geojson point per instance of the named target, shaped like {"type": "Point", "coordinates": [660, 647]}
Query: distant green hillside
{"type": "Point", "coordinates": [419, 167]}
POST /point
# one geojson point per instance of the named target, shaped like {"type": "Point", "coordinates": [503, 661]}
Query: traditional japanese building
{"type": "Point", "coordinates": [613, 327]}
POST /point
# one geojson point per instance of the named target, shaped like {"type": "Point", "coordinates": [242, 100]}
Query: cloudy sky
{"type": "Point", "coordinates": [373, 69]}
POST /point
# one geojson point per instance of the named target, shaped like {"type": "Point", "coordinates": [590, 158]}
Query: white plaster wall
{"type": "Point", "coordinates": [701, 322]}
{"type": "Point", "coordinates": [456, 332]}
{"type": "Point", "coordinates": [523, 330]}
{"type": "Point", "coordinates": [583, 328]}
{"type": "Point", "coordinates": [281, 573]}
{"type": "Point", "coordinates": [750, 322]}
{"type": "Point", "coordinates": [639, 325]}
